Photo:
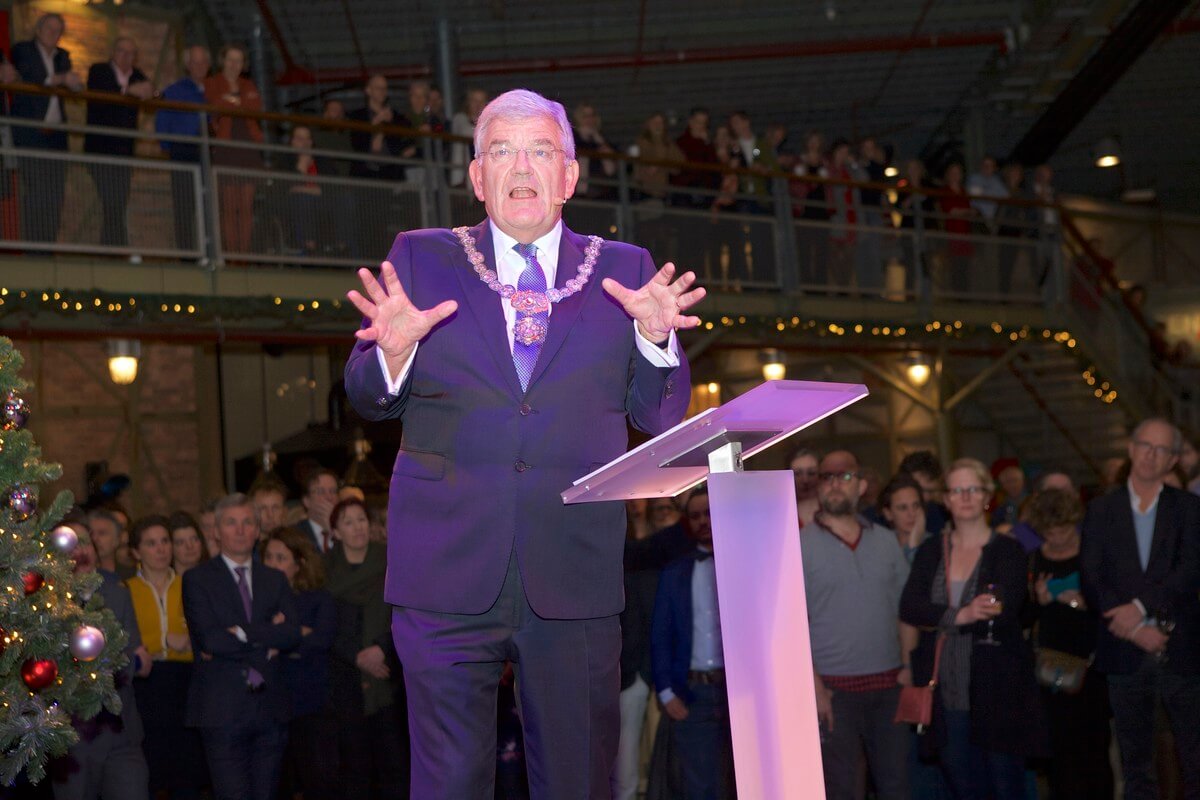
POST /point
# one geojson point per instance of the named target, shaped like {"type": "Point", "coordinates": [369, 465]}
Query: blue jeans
{"type": "Point", "coordinates": [975, 773]}
{"type": "Point", "coordinates": [704, 746]}
{"type": "Point", "coordinates": [862, 723]}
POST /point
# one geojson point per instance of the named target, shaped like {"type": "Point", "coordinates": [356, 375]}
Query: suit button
{"type": "Point", "coordinates": [520, 466]}
{"type": "Point", "coordinates": [670, 389]}
{"type": "Point", "coordinates": [525, 409]}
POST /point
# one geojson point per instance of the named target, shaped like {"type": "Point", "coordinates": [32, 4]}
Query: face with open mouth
{"type": "Point", "coordinates": [524, 196]}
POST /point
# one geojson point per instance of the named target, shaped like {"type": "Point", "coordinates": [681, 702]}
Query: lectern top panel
{"type": "Point", "coordinates": [673, 462]}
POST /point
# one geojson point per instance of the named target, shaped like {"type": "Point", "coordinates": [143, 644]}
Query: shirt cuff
{"type": "Point", "coordinates": [666, 695]}
{"type": "Point", "coordinates": [1140, 607]}
{"type": "Point", "coordinates": [240, 634]}
{"type": "Point", "coordinates": [394, 386]}
{"type": "Point", "coordinates": [665, 357]}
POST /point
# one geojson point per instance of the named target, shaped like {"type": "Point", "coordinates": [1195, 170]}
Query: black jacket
{"type": "Point", "coordinates": [103, 78]}
{"type": "Point", "coordinates": [1006, 708]}
{"type": "Point", "coordinates": [1112, 575]}
{"type": "Point", "coordinates": [28, 62]}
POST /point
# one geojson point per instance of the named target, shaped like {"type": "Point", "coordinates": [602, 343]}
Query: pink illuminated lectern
{"type": "Point", "coordinates": [760, 579]}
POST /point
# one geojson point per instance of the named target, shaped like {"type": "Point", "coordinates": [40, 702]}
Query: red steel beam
{"type": "Point", "coordinates": [662, 58]}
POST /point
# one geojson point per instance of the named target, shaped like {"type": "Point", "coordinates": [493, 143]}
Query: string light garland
{"type": "Point", "coordinates": [301, 312]}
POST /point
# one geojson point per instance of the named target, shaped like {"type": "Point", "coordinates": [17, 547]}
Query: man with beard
{"type": "Point", "coordinates": [854, 572]}
{"type": "Point", "coordinates": [689, 664]}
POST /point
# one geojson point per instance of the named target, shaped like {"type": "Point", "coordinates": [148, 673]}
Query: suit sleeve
{"type": "Point", "coordinates": [285, 635]}
{"type": "Point", "coordinates": [208, 634]}
{"type": "Point", "coordinates": [657, 398]}
{"type": "Point", "coordinates": [1096, 585]}
{"type": "Point", "coordinates": [661, 645]}
{"type": "Point", "coordinates": [366, 386]}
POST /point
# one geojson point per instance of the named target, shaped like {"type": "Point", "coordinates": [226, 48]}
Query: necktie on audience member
{"type": "Point", "coordinates": [253, 676]}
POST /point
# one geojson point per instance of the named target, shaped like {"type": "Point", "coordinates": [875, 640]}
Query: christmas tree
{"type": "Point", "coordinates": [57, 656]}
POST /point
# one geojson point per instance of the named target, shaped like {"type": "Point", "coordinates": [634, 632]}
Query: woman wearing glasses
{"type": "Point", "coordinates": [969, 586]}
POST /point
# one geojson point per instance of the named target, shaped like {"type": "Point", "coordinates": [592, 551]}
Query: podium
{"type": "Point", "coordinates": [760, 578]}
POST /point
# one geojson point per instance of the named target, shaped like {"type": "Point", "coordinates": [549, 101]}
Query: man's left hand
{"type": "Point", "coordinates": [658, 306]}
{"type": "Point", "coordinates": [1123, 619]}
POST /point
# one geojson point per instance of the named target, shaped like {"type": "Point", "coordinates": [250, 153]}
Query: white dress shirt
{"type": "Point", "coordinates": [509, 266]}
{"type": "Point", "coordinates": [54, 107]}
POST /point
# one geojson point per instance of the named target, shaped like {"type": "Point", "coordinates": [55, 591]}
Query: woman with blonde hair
{"type": "Point", "coordinates": [965, 594]}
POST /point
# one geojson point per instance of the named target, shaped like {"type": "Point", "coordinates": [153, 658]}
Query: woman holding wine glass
{"type": "Point", "coordinates": [968, 588]}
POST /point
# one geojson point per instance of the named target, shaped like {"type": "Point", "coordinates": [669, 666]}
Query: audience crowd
{"type": "Point", "coordinates": [849, 233]}
{"type": "Point", "coordinates": [1054, 632]}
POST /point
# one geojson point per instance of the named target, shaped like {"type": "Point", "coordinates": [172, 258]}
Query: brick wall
{"type": "Point", "coordinates": [150, 430]}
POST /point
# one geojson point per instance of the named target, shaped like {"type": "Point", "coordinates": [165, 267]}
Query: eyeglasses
{"type": "Point", "coordinates": [965, 491]}
{"type": "Point", "coordinates": [844, 477]}
{"type": "Point", "coordinates": [538, 155]}
{"type": "Point", "coordinates": [1158, 450]}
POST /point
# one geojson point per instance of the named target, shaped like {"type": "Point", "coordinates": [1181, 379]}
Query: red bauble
{"type": "Point", "coordinates": [33, 581]}
{"type": "Point", "coordinates": [38, 673]}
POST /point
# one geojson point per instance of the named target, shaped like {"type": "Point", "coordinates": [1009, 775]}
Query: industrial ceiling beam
{"type": "Point", "coordinates": [661, 58]}
{"type": "Point", "coordinates": [1123, 47]}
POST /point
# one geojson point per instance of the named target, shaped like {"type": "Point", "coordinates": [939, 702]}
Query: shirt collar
{"type": "Point", "coordinates": [233, 565]}
{"type": "Point", "coordinates": [121, 74]}
{"type": "Point", "coordinates": [547, 244]}
{"type": "Point", "coordinates": [1135, 501]}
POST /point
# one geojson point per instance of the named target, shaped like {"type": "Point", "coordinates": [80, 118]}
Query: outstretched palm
{"type": "Point", "coordinates": [659, 305]}
{"type": "Point", "coordinates": [396, 325]}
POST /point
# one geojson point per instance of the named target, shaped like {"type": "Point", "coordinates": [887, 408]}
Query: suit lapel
{"type": "Point", "coordinates": [485, 305]}
{"type": "Point", "coordinates": [258, 591]}
{"type": "Point", "coordinates": [1163, 517]}
{"type": "Point", "coordinates": [231, 588]}
{"type": "Point", "coordinates": [565, 313]}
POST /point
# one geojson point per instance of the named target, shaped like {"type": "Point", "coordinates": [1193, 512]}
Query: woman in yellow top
{"type": "Point", "coordinates": [172, 751]}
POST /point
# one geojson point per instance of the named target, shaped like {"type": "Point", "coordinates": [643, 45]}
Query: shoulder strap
{"type": "Point", "coordinates": [941, 640]}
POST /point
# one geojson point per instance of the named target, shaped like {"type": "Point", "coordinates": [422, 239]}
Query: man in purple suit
{"type": "Point", "coordinates": [514, 375]}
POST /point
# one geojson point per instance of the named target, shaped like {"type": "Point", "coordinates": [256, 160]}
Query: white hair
{"type": "Point", "coordinates": [522, 104]}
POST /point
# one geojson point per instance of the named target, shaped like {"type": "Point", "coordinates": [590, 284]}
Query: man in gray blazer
{"type": "Point", "coordinates": [509, 390]}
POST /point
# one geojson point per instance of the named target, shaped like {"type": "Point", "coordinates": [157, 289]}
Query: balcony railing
{"type": "Point", "coordinates": [246, 203]}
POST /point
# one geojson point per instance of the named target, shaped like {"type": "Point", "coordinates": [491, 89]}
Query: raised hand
{"type": "Point", "coordinates": [659, 305]}
{"type": "Point", "coordinates": [396, 325]}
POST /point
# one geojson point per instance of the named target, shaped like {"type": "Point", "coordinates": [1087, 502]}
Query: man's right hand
{"type": "Point", "coordinates": [396, 325]}
{"type": "Point", "coordinates": [825, 706]}
{"type": "Point", "coordinates": [372, 661]}
{"type": "Point", "coordinates": [676, 710]}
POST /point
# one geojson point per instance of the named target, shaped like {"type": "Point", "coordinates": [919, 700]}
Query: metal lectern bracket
{"type": "Point", "coordinates": [701, 454]}
{"type": "Point", "coordinates": [727, 458]}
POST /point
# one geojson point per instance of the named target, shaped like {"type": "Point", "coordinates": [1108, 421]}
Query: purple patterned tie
{"type": "Point", "coordinates": [253, 676]}
{"type": "Point", "coordinates": [532, 279]}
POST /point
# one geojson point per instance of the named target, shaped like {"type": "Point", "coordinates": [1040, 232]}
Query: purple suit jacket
{"type": "Point", "coordinates": [481, 463]}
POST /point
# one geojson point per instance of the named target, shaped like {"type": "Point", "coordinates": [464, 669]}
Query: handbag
{"type": "Point", "coordinates": [915, 706]}
{"type": "Point", "coordinates": [1061, 672]}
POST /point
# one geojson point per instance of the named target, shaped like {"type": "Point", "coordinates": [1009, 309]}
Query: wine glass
{"type": "Point", "coordinates": [995, 592]}
{"type": "Point", "coordinates": [1165, 622]}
